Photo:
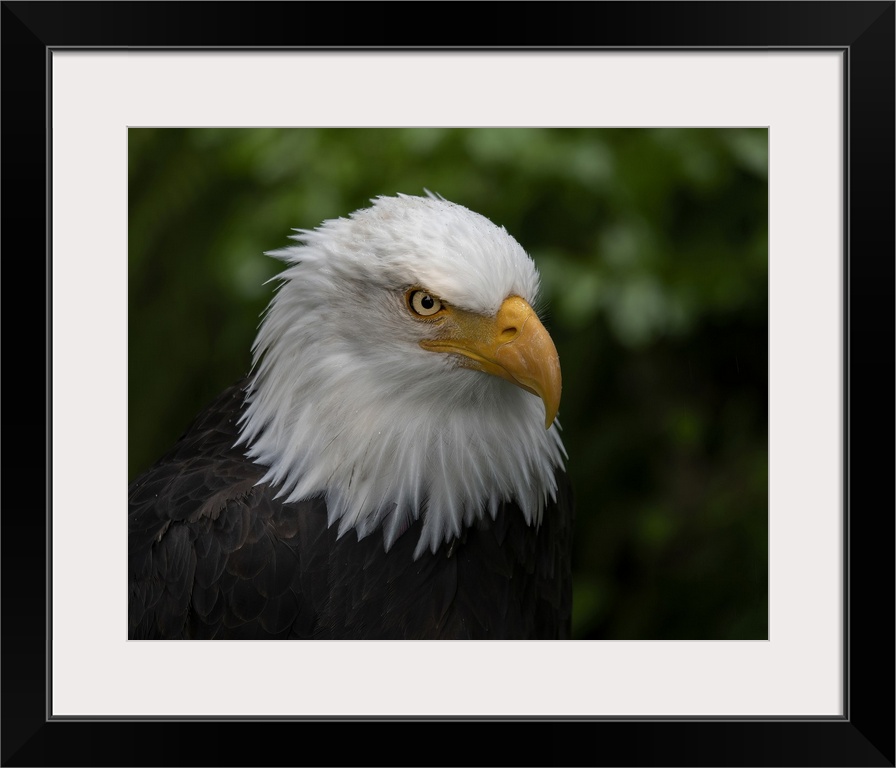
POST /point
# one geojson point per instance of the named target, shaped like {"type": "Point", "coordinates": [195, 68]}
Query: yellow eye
{"type": "Point", "coordinates": [423, 303]}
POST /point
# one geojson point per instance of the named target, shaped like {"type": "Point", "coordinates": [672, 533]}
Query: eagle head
{"type": "Point", "coordinates": [400, 371]}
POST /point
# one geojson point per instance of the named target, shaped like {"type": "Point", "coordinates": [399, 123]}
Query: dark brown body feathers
{"type": "Point", "coordinates": [214, 555]}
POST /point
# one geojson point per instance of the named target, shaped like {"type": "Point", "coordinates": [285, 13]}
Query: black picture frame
{"type": "Point", "coordinates": [863, 31]}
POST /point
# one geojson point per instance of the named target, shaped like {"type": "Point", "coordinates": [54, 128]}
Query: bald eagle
{"type": "Point", "coordinates": [391, 467]}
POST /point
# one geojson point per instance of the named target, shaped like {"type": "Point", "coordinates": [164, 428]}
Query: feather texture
{"type": "Point", "coordinates": [257, 568]}
{"type": "Point", "coordinates": [346, 405]}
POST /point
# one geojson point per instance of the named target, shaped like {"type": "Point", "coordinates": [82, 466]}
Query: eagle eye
{"type": "Point", "coordinates": [423, 303]}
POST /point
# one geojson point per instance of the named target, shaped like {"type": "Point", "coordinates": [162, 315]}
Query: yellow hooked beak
{"type": "Point", "coordinates": [513, 345]}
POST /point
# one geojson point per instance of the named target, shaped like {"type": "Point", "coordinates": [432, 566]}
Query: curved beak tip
{"type": "Point", "coordinates": [532, 360]}
{"type": "Point", "coordinates": [551, 401]}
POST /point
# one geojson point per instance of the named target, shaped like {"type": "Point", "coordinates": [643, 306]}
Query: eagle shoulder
{"type": "Point", "coordinates": [213, 553]}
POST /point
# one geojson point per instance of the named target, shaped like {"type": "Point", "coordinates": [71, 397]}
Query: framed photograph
{"type": "Point", "coordinates": [775, 119]}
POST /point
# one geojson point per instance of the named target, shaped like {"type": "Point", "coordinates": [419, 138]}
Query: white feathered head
{"type": "Point", "coordinates": [400, 371]}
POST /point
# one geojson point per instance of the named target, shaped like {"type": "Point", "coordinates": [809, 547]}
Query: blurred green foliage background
{"type": "Point", "coordinates": [652, 245]}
